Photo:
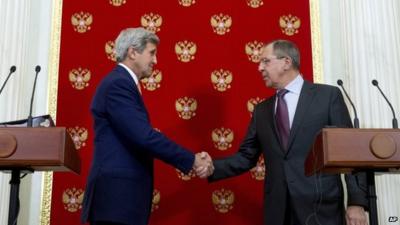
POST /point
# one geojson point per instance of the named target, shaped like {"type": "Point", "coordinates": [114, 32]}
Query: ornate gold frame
{"type": "Point", "coordinates": [54, 60]}
{"type": "Point", "coordinates": [316, 44]}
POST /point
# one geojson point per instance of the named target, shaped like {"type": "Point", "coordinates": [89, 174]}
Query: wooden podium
{"type": "Point", "coordinates": [34, 149]}
{"type": "Point", "coordinates": [344, 150]}
{"type": "Point", "coordinates": [38, 149]}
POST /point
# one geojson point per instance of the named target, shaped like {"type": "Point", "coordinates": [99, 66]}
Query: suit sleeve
{"type": "Point", "coordinates": [356, 183]}
{"type": "Point", "coordinates": [245, 159]}
{"type": "Point", "coordinates": [129, 119]}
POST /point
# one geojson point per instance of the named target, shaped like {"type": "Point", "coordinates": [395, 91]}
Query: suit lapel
{"type": "Point", "coordinates": [306, 97]}
{"type": "Point", "coordinates": [125, 73]}
{"type": "Point", "coordinates": [270, 123]}
{"type": "Point", "coordinates": [121, 70]}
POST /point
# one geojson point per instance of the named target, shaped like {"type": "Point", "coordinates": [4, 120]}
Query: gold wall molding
{"type": "Point", "coordinates": [316, 42]}
{"type": "Point", "coordinates": [54, 58]}
{"type": "Point", "coordinates": [53, 65]}
{"type": "Point", "coordinates": [45, 206]}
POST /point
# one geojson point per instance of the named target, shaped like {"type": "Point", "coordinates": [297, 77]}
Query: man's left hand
{"type": "Point", "coordinates": [355, 215]}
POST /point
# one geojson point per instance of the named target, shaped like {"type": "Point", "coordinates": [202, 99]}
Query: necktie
{"type": "Point", "coordinates": [282, 119]}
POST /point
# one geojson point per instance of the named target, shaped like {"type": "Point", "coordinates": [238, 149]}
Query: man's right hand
{"type": "Point", "coordinates": [203, 165]}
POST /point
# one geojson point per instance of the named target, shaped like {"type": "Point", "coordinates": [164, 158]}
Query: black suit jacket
{"type": "Point", "coordinates": [316, 199]}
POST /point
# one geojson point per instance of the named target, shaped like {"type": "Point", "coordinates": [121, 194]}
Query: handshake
{"type": "Point", "coordinates": [203, 165]}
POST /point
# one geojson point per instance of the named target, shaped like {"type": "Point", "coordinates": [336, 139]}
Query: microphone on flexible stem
{"type": "Point", "coordinates": [30, 120]}
{"type": "Point", "coordinates": [356, 122]}
{"type": "Point", "coordinates": [394, 120]}
{"type": "Point", "coordinates": [12, 70]}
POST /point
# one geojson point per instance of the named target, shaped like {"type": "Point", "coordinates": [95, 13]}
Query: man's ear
{"type": "Point", "coordinates": [132, 53]}
{"type": "Point", "coordinates": [288, 63]}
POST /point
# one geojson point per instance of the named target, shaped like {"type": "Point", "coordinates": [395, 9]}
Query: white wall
{"type": "Point", "coordinates": [24, 42]}
{"type": "Point", "coordinates": [361, 42]}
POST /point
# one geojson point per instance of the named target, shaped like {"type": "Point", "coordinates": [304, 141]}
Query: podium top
{"type": "Point", "coordinates": [40, 149]}
{"type": "Point", "coordinates": [340, 150]}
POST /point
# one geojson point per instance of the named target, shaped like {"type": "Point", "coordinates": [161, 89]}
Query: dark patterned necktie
{"type": "Point", "coordinates": [282, 119]}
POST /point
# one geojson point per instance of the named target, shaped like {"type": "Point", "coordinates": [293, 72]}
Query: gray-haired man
{"type": "Point", "coordinates": [120, 183]}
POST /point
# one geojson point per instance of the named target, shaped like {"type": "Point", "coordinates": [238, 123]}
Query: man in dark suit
{"type": "Point", "coordinates": [120, 184]}
{"type": "Point", "coordinates": [283, 129]}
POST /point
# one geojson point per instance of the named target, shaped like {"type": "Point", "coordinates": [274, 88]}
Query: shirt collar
{"type": "Point", "coordinates": [295, 85]}
{"type": "Point", "coordinates": [133, 75]}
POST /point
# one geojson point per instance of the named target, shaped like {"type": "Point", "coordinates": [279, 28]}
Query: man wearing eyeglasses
{"type": "Point", "coordinates": [283, 129]}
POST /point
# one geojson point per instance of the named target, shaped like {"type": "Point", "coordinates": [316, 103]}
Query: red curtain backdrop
{"type": "Point", "coordinates": [201, 93]}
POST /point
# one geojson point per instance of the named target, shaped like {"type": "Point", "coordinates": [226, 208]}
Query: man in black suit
{"type": "Point", "coordinates": [283, 129]}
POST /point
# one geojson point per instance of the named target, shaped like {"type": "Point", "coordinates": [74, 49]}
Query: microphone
{"type": "Point", "coordinates": [12, 70]}
{"type": "Point", "coordinates": [394, 120]}
{"type": "Point", "coordinates": [30, 120]}
{"type": "Point", "coordinates": [356, 122]}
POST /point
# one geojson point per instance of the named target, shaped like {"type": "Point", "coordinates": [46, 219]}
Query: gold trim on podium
{"type": "Point", "coordinates": [54, 61]}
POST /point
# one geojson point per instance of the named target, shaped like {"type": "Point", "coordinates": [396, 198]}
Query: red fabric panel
{"type": "Point", "coordinates": [83, 52]}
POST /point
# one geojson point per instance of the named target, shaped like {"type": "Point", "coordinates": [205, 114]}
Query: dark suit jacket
{"type": "Point", "coordinates": [316, 198]}
{"type": "Point", "coordinates": [120, 184]}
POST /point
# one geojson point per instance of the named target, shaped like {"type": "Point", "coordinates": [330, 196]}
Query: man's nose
{"type": "Point", "coordinates": [260, 67]}
{"type": "Point", "coordinates": [155, 60]}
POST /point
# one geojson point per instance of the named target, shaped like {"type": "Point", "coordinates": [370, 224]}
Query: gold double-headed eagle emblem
{"type": "Point", "coordinates": [151, 22]}
{"type": "Point", "coordinates": [255, 3]}
{"type": "Point", "coordinates": [81, 21]}
{"type": "Point", "coordinates": [186, 3]}
{"type": "Point", "coordinates": [72, 199]}
{"type": "Point", "coordinates": [153, 82]}
{"type": "Point", "coordinates": [258, 172]}
{"type": "Point", "coordinates": [222, 138]}
{"type": "Point", "coordinates": [186, 177]}
{"type": "Point", "coordinates": [79, 135]}
{"type": "Point", "coordinates": [185, 50]}
{"type": "Point", "coordinates": [251, 104]}
{"type": "Point", "coordinates": [117, 2]}
{"type": "Point", "coordinates": [223, 200]}
{"type": "Point", "coordinates": [221, 79]}
{"type": "Point", "coordinates": [253, 50]}
{"type": "Point", "coordinates": [289, 24]}
{"type": "Point", "coordinates": [109, 49]}
{"type": "Point", "coordinates": [79, 78]}
{"type": "Point", "coordinates": [186, 107]}
{"type": "Point", "coordinates": [221, 23]}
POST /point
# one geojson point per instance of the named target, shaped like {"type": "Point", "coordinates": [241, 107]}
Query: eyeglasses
{"type": "Point", "coordinates": [266, 61]}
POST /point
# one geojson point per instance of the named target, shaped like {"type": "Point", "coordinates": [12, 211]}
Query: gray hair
{"type": "Point", "coordinates": [285, 48]}
{"type": "Point", "coordinates": [135, 37]}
